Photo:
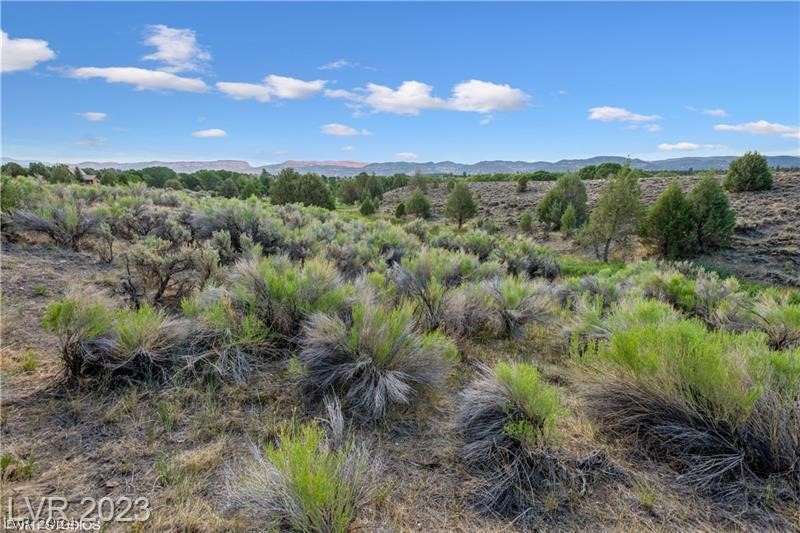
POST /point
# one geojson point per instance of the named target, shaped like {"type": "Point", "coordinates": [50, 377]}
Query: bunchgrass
{"type": "Point", "coordinates": [311, 480]}
{"type": "Point", "coordinates": [719, 406]}
{"type": "Point", "coordinates": [376, 362]}
{"type": "Point", "coordinates": [507, 420]}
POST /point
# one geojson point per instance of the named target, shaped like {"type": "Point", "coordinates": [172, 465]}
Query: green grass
{"type": "Point", "coordinates": [538, 402]}
{"type": "Point", "coordinates": [29, 361]}
{"type": "Point", "coordinates": [77, 318]}
{"type": "Point", "coordinates": [139, 329]}
{"type": "Point", "coordinates": [705, 370]}
{"type": "Point", "coordinates": [318, 479]}
{"type": "Point", "coordinates": [40, 290]}
{"type": "Point", "coordinates": [577, 266]}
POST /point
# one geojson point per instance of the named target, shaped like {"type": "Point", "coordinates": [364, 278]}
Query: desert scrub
{"type": "Point", "coordinates": [428, 278]}
{"type": "Point", "coordinates": [514, 303]}
{"type": "Point", "coordinates": [283, 294]}
{"type": "Point", "coordinates": [224, 342]}
{"type": "Point", "coordinates": [779, 319]}
{"type": "Point", "coordinates": [477, 242]}
{"type": "Point", "coordinates": [507, 423]}
{"type": "Point", "coordinates": [310, 481]}
{"type": "Point", "coordinates": [376, 362]}
{"type": "Point", "coordinates": [159, 273]}
{"type": "Point", "coordinates": [82, 322]}
{"type": "Point", "coordinates": [65, 220]}
{"type": "Point", "coordinates": [522, 256]}
{"type": "Point", "coordinates": [715, 405]}
{"type": "Point", "coordinates": [98, 340]}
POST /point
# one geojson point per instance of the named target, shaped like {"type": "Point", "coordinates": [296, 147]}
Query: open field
{"type": "Point", "coordinates": [274, 308]}
{"type": "Point", "coordinates": [765, 245]}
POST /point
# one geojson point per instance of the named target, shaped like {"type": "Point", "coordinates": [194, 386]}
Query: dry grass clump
{"type": "Point", "coordinates": [499, 307]}
{"type": "Point", "coordinates": [65, 220]}
{"type": "Point", "coordinates": [428, 278]}
{"type": "Point", "coordinates": [310, 481]}
{"type": "Point", "coordinates": [101, 341]}
{"type": "Point", "coordinates": [507, 420]}
{"type": "Point", "coordinates": [718, 406]}
{"type": "Point", "coordinates": [779, 319]}
{"type": "Point", "coordinates": [375, 362]}
{"type": "Point", "coordinates": [523, 256]}
{"type": "Point", "coordinates": [223, 341]}
{"type": "Point", "coordinates": [282, 294]}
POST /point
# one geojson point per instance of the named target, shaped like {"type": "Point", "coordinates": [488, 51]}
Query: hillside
{"type": "Point", "coordinates": [766, 241]}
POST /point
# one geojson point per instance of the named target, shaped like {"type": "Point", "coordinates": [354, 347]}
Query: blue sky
{"type": "Point", "coordinates": [384, 81]}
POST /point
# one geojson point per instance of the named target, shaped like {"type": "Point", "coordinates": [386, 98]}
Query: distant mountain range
{"type": "Point", "coordinates": [351, 168]}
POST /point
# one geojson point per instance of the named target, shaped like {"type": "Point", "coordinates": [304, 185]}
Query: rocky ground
{"type": "Point", "coordinates": [766, 240]}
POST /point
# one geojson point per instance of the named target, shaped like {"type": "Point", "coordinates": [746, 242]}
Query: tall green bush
{"type": "Point", "coordinates": [749, 173]}
{"type": "Point", "coordinates": [568, 190]}
{"type": "Point", "coordinates": [713, 213]}
{"type": "Point", "coordinates": [670, 224]}
{"type": "Point", "coordinates": [418, 204]}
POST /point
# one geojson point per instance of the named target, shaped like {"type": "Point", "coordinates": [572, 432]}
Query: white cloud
{"type": "Point", "coordinates": [175, 47]}
{"type": "Point", "coordinates": [90, 141]}
{"type": "Point", "coordinates": [687, 147]}
{"type": "Point", "coordinates": [210, 133]}
{"type": "Point", "coordinates": [273, 86]}
{"type": "Point", "coordinates": [761, 127]}
{"type": "Point", "coordinates": [408, 99]}
{"type": "Point", "coordinates": [342, 130]}
{"type": "Point", "coordinates": [343, 94]}
{"type": "Point", "coordinates": [412, 97]}
{"type": "Point", "coordinates": [486, 119]}
{"type": "Point", "coordinates": [245, 91]}
{"type": "Point", "coordinates": [485, 96]}
{"type": "Point", "coordinates": [22, 54]}
{"type": "Point", "coordinates": [609, 114]}
{"type": "Point", "coordinates": [405, 156]}
{"type": "Point", "coordinates": [347, 148]}
{"type": "Point", "coordinates": [292, 88]}
{"type": "Point", "coordinates": [715, 112]}
{"type": "Point", "coordinates": [93, 116]}
{"type": "Point", "coordinates": [141, 78]}
{"type": "Point", "coordinates": [653, 128]}
{"type": "Point", "coordinates": [334, 65]}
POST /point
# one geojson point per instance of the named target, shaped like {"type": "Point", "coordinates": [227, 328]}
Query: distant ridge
{"type": "Point", "coordinates": [351, 168]}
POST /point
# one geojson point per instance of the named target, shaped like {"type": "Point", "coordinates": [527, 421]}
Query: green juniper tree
{"type": "Point", "coordinates": [460, 204]}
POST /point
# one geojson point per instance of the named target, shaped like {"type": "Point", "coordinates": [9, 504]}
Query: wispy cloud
{"type": "Point", "coordinates": [405, 156]}
{"type": "Point", "coordinates": [619, 114]}
{"type": "Point", "coordinates": [347, 148]}
{"type": "Point", "coordinates": [335, 65]}
{"type": "Point", "coordinates": [141, 78]}
{"type": "Point", "coordinates": [273, 87]}
{"type": "Point", "coordinates": [688, 147]}
{"type": "Point", "coordinates": [762, 127]}
{"type": "Point", "coordinates": [718, 112]}
{"type": "Point", "coordinates": [90, 141]}
{"type": "Point", "coordinates": [22, 54]}
{"type": "Point", "coordinates": [177, 48]}
{"type": "Point", "coordinates": [342, 64]}
{"type": "Point", "coordinates": [210, 133]}
{"type": "Point", "coordinates": [93, 116]}
{"type": "Point", "coordinates": [653, 128]}
{"type": "Point", "coordinates": [342, 130]}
